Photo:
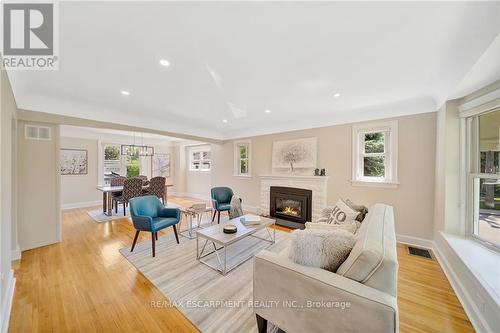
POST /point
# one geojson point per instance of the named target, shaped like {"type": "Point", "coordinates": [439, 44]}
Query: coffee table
{"type": "Point", "coordinates": [221, 241]}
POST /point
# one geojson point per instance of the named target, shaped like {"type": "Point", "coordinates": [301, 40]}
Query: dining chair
{"type": "Point", "coordinates": [221, 200]}
{"type": "Point", "coordinates": [150, 215]}
{"type": "Point", "coordinates": [117, 181]}
{"type": "Point", "coordinates": [131, 188]}
{"type": "Point", "coordinates": [157, 187]}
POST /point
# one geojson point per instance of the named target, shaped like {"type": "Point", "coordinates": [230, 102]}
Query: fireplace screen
{"type": "Point", "coordinates": [288, 207]}
{"type": "Point", "coordinates": [290, 204]}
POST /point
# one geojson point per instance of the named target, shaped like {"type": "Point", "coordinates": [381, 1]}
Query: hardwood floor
{"type": "Point", "coordinates": [84, 284]}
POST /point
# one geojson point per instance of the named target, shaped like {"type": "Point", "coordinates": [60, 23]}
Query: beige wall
{"type": "Point", "coordinates": [81, 189]}
{"type": "Point", "coordinates": [413, 199]}
{"type": "Point", "coordinates": [38, 189]}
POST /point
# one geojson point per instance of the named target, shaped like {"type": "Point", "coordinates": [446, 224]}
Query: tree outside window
{"type": "Point", "coordinates": [374, 155]}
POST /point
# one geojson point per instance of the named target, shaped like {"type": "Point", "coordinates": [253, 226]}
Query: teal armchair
{"type": "Point", "coordinates": [150, 215]}
{"type": "Point", "coordinates": [221, 200]}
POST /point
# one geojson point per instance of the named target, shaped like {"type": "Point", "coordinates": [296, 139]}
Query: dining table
{"type": "Point", "coordinates": [107, 197]}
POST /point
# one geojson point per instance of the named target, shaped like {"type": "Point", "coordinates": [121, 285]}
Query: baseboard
{"type": "Point", "coordinates": [7, 304]}
{"type": "Point", "coordinates": [416, 241]}
{"type": "Point", "coordinates": [81, 204]}
{"type": "Point", "coordinates": [15, 254]}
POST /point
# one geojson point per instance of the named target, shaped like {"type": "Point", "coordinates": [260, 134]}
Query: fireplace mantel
{"type": "Point", "coordinates": [318, 185]}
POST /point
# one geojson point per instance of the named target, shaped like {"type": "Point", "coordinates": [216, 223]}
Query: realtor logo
{"type": "Point", "coordinates": [29, 33]}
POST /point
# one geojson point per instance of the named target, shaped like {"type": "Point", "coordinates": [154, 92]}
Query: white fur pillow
{"type": "Point", "coordinates": [321, 248]}
{"type": "Point", "coordinates": [351, 227]}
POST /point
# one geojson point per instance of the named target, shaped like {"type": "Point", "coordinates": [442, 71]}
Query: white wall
{"type": "Point", "coordinates": [8, 230]}
{"type": "Point", "coordinates": [80, 190]}
{"type": "Point", "coordinates": [413, 199]}
{"type": "Point", "coordinates": [38, 188]}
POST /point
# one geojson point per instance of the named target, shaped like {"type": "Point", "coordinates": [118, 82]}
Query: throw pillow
{"type": "Point", "coordinates": [321, 248]}
{"type": "Point", "coordinates": [338, 214]}
{"type": "Point", "coordinates": [235, 209]}
{"type": "Point", "coordinates": [363, 210]}
{"type": "Point", "coordinates": [351, 227]}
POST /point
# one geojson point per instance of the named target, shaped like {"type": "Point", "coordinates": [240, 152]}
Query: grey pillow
{"type": "Point", "coordinates": [339, 214]}
{"type": "Point", "coordinates": [363, 210]}
{"type": "Point", "coordinates": [320, 248]}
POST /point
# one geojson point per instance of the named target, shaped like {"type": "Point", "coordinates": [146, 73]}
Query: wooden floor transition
{"type": "Point", "coordinates": [83, 284]}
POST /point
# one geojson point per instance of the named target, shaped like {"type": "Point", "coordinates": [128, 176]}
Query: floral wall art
{"type": "Point", "coordinates": [73, 161]}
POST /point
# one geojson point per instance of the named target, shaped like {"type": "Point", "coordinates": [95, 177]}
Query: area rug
{"type": "Point", "coordinates": [212, 302]}
{"type": "Point", "coordinates": [99, 216]}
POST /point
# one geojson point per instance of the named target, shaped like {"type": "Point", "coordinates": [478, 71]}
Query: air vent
{"type": "Point", "coordinates": [415, 251]}
{"type": "Point", "coordinates": [37, 132]}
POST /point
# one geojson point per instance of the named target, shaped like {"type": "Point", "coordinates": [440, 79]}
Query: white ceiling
{"type": "Point", "coordinates": [233, 60]}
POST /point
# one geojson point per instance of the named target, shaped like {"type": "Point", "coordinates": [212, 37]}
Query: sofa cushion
{"type": "Point", "coordinates": [321, 248]}
{"type": "Point", "coordinates": [351, 227]}
{"type": "Point", "coordinates": [368, 252]}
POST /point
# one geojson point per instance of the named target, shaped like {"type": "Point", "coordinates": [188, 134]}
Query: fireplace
{"type": "Point", "coordinates": [290, 206]}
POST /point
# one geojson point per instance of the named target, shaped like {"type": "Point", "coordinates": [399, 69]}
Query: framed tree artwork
{"type": "Point", "coordinates": [295, 154]}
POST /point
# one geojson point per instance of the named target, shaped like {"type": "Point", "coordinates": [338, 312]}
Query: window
{"type": "Point", "coordinates": [132, 162]}
{"type": "Point", "coordinates": [199, 159]}
{"type": "Point", "coordinates": [483, 186]}
{"type": "Point", "coordinates": [374, 154]}
{"type": "Point", "coordinates": [114, 162]}
{"type": "Point", "coordinates": [242, 158]}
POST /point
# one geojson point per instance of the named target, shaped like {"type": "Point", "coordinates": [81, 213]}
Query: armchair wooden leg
{"type": "Point", "coordinates": [124, 211]}
{"type": "Point", "coordinates": [213, 217]}
{"type": "Point", "coordinates": [116, 206]}
{"type": "Point", "coordinates": [218, 217]}
{"type": "Point", "coordinates": [153, 242]}
{"type": "Point", "coordinates": [156, 235]}
{"type": "Point", "coordinates": [176, 235]}
{"type": "Point", "coordinates": [261, 324]}
{"type": "Point", "coordinates": [135, 240]}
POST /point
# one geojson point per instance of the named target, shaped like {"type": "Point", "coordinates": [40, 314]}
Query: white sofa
{"type": "Point", "coordinates": [364, 285]}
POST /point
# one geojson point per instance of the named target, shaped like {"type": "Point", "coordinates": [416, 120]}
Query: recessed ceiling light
{"type": "Point", "coordinates": [267, 111]}
{"type": "Point", "coordinates": [164, 62]}
{"type": "Point", "coordinates": [224, 121]}
{"type": "Point", "coordinates": [336, 95]}
{"type": "Point", "coordinates": [124, 92]}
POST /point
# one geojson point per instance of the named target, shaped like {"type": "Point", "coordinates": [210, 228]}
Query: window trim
{"type": "Point", "coordinates": [469, 170]}
{"type": "Point", "coordinates": [237, 159]}
{"type": "Point", "coordinates": [390, 129]}
{"type": "Point", "coordinates": [192, 150]}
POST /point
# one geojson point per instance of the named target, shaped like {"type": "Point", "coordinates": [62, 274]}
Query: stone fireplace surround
{"type": "Point", "coordinates": [317, 184]}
